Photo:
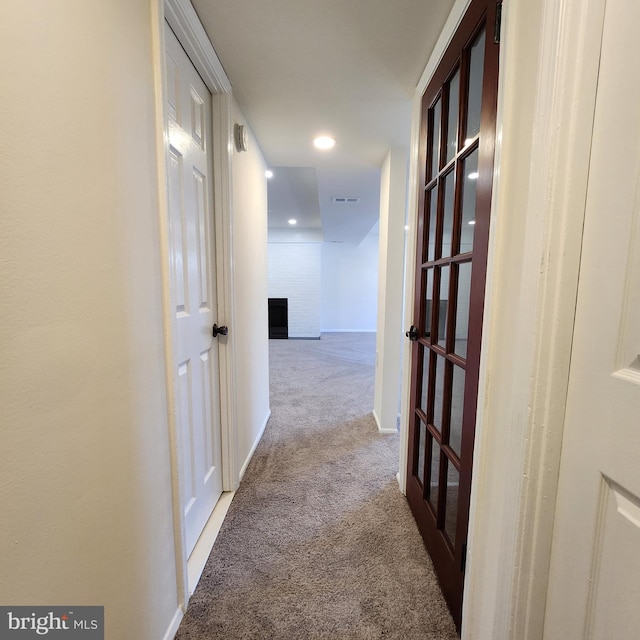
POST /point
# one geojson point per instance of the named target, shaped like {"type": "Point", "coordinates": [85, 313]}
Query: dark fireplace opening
{"type": "Point", "coordinates": [278, 318]}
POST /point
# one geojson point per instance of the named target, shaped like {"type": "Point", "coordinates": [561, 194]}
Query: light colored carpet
{"type": "Point", "coordinates": [318, 541]}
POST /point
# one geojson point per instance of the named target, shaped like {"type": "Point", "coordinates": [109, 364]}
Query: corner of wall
{"type": "Point", "coordinates": [250, 290]}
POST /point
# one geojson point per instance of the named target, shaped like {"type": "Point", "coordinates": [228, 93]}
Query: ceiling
{"type": "Point", "coordinates": [347, 68]}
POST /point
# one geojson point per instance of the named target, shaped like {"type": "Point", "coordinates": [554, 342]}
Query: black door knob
{"type": "Point", "coordinates": [219, 331]}
{"type": "Point", "coordinates": [412, 334]}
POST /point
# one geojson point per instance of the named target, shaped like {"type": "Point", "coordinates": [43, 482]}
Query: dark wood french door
{"type": "Point", "coordinates": [456, 170]}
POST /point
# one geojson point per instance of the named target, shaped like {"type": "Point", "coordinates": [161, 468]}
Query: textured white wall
{"type": "Point", "coordinates": [250, 282]}
{"type": "Point", "coordinates": [389, 338]}
{"type": "Point", "coordinates": [84, 463]}
{"type": "Point", "coordinates": [350, 285]}
{"type": "Point", "coordinates": [295, 273]}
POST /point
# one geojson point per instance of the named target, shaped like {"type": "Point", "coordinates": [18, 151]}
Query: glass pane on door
{"type": "Point", "coordinates": [433, 220]}
{"type": "Point", "coordinates": [447, 226]}
{"type": "Point", "coordinates": [470, 173]}
{"type": "Point", "coordinates": [435, 140]}
{"type": "Point", "coordinates": [422, 443]}
{"type": "Point", "coordinates": [457, 406]}
{"type": "Point", "coordinates": [452, 124]}
{"type": "Point", "coordinates": [434, 475]}
{"type": "Point", "coordinates": [462, 309]}
{"type": "Point", "coordinates": [474, 102]}
{"type": "Point", "coordinates": [451, 504]}
{"type": "Point", "coordinates": [428, 303]}
{"type": "Point", "coordinates": [438, 396]}
{"type": "Point", "coordinates": [443, 306]}
{"type": "Point", "coordinates": [425, 380]}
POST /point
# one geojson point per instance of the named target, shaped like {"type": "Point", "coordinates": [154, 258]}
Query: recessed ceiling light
{"type": "Point", "coordinates": [292, 221]}
{"type": "Point", "coordinates": [472, 221]}
{"type": "Point", "coordinates": [268, 173]}
{"type": "Point", "coordinates": [324, 142]}
{"type": "Point", "coordinates": [473, 176]}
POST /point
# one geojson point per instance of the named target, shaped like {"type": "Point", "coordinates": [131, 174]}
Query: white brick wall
{"type": "Point", "coordinates": [295, 274]}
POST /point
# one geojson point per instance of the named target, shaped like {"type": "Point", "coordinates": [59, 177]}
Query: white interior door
{"type": "Point", "coordinates": [193, 288]}
{"type": "Point", "coordinates": [594, 589]}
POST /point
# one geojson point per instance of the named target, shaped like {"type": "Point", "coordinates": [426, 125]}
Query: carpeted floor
{"type": "Point", "coordinates": [318, 541]}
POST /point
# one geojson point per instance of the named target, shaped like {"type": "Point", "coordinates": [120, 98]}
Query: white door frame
{"type": "Point", "coordinates": [546, 99]}
{"type": "Point", "coordinates": [185, 23]}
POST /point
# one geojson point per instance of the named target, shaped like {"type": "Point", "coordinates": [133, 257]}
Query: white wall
{"type": "Point", "coordinates": [330, 286]}
{"type": "Point", "coordinates": [295, 274]}
{"type": "Point", "coordinates": [350, 285]}
{"type": "Point", "coordinates": [250, 300]}
{"type": "Point", "coordinates": [295, 235]}
{"type": "Point", "coordinates": [548, 81]}
{"type": "Point", "coordinates": [85, 482]}
{"type": "Point", "coordinates": [389, 339]}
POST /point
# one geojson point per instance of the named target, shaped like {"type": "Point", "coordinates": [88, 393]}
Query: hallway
{"type": "Point", "coordinates": [319, 542]}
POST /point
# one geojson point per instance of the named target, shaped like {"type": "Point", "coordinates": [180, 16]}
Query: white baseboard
{"type": "Point", "coordinates": [380, 429]}
{"type": "Point", "coordinates": [172, 629]}
{"type": "Point", "coordinates": [348, 331]}
{"type": "Point", "coordinates": [402, 489]}
{"type": "Point", "coordinates": [200, 554]}
{"type": "Point", "coordinates": [254, 446]}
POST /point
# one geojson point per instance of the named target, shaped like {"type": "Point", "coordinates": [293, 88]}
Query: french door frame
{"type": "Point", "coordinates": [183, 20]}
{"type": "Point", "coordinates": [448, 549]}
{"type": "Point", "coordinates": [546, 97]}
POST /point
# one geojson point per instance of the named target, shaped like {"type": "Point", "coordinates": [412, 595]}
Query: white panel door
{"type": "Point", "coordinates": [594, 589]}
{"type": "Point", "coordinates": [193, 288]}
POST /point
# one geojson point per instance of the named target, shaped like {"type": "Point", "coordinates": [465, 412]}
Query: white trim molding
{"type": "Point", "coordinates": [158, 41]}
{"type": "Point", "coordinates": [222, 205]}
{"type": "Point", "coordinates": [382, 431]}
{"type": "Point", "coordinates": [202, 550]}
{"type": "Point", "coordinates": [185, 23]}
{"type": "Point", "coordinates": [172, 629]}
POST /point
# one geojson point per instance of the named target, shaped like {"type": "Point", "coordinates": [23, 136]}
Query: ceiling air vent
{"type": "Point", "coordinates": [344, 200]}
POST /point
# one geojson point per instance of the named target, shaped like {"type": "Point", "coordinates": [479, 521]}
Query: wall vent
{"type": "Point", "coordinates": [344, 200]}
